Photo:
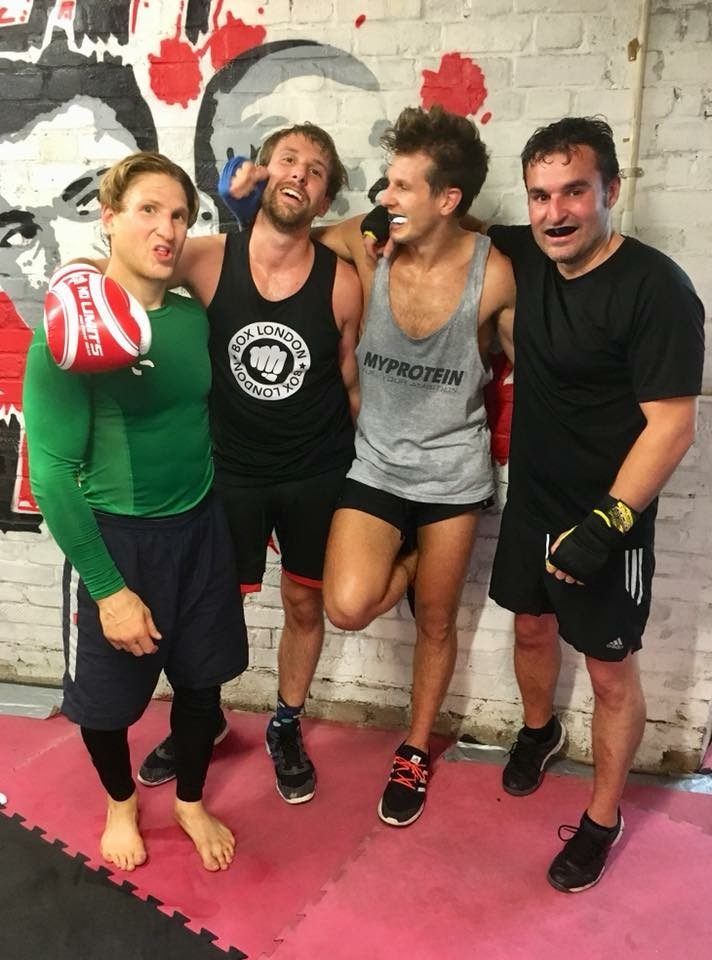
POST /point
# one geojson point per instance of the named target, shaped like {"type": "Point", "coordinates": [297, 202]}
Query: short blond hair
{"type": "Point", "coordinates": [118, 178]}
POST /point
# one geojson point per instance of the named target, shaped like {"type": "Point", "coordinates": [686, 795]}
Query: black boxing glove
{"type": "Point", "coordinates": [586, 547]}
{"type": "Point", "coordinates": [376, 224]}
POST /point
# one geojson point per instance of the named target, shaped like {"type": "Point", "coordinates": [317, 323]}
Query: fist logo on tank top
{"type": "Point", "coordinates": [268, 360]}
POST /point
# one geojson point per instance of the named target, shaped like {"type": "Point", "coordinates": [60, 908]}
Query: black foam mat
{"type": "Point", "coordinates": [54, 907]}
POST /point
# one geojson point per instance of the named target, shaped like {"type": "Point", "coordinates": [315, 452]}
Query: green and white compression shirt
{"type": "Point", "coordinates": [133, 441]}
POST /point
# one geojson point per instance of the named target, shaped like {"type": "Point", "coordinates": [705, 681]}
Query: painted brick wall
{"type": "Point", "coordinates": [84, 83]}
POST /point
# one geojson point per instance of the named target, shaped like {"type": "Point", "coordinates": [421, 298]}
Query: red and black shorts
{"type": "Point", "coordinates": [298, 511]}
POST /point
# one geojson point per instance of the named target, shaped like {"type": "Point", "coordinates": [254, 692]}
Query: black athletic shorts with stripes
{"type": "Point", "coordinates": [604, 619]}
{"type": "Point", "coordinates": [183, 569]}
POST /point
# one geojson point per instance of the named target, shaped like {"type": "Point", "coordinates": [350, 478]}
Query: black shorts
{"type": "Point", "coordinates": [298, 511]}
{"type": "Point", "coordinates": [183, 569]}
{"type": "Point", "coordinates": [405, 515]}
{"type": "Point", "coordinates": [604, 619]}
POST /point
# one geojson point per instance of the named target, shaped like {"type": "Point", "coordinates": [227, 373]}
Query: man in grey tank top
{"type": "Point", "coordinates": [422, 471]}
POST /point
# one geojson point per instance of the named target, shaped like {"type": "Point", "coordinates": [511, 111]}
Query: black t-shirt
{"type": "Point", "coordinates": [588, 352]}
{"type": "Point", "coordinates": [279, 409]}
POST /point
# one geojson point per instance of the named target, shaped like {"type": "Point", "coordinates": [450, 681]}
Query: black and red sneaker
{"type": "Point", "coordinates": [404, 797]}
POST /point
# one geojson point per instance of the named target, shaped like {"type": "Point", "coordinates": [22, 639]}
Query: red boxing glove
{"type": "Point", "coordinates": [92, 323]}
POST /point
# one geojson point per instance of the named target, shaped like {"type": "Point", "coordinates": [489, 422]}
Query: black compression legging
{"type": "Point", "coordinates": [193, 729]}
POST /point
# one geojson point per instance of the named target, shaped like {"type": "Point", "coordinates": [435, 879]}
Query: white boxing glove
{"type": "Point", "coordinates": [92, 323]}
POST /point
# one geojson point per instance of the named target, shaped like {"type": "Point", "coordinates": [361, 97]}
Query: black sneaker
{"type": "Point", "coordinates": [160, 765]}
{"type": "Point", "coordinates": [528, 759]}
{"type": "Point", "coordinates": [581, 863]}
{"type": "Point", "coordinates": [295, 773]}
{"type": "Point", "coordinates": [404, 797]}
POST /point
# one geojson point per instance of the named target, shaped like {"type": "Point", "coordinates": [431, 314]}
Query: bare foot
{"type": "Point", "coordinates": [212, 839]}
{"type": "Point", "coordinates": [121, 842]}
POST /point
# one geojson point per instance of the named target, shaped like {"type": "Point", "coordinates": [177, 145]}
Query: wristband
{"type": "Point", "coordinates": [376, 225]}
{"type": "Point", "coordinates": [586, 548]}
{"type": "Point", "coordinates": [616, 514]}
{"type": "Point", "coordinates": [243, 209]}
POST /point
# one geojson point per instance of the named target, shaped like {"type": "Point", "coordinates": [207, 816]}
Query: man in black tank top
{"type": "Point", "coordinates": [609, 349]}
{"type": "Point", "coordinates": [284, 313]}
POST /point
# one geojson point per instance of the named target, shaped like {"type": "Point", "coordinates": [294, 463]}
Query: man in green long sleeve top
{"type": "Point", "coordinates": [121, 467]}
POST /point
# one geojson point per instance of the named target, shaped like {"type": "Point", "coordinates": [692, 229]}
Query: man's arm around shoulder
{"type": "Point", "coordinates": [347, 302]}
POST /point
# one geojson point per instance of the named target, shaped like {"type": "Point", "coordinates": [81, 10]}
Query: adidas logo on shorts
{"type": "Point", "coordinates": [616, 644]}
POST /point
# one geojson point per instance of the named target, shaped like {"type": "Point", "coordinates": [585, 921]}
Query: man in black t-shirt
{"type": "Point", "coordinates": [609, 350]}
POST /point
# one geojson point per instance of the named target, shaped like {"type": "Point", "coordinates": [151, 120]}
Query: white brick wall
{"type": "Point", "coordinates": [541, 59]}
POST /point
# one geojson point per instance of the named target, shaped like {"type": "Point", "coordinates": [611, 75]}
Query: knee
{"type": "Point", "coordinates": [614, 683]}
{"type": "Point", "coordinates": [436, 626]}
{"type": "Point", "coordinates": [303, 607]}
{"type": "Point", "coordinates": [346, 611]}
{"type": "Point", "coordinates": [534, 633]}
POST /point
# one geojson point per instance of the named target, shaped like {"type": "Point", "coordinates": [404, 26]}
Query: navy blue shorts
{"type": "Point", "coordinates": [603, 619]}
{"type": "Point", "coordinates": [183, 569]}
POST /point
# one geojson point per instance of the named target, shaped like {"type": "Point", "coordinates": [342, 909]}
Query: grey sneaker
{"type": "Point", "coordinates": [160, 765]}
{"type": "Point", "coordinates": [295, 773]}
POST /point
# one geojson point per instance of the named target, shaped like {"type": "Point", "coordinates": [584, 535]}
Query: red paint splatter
{"type": "Point", "coordinates": [486, 117]}
{"type": "Point", "coordinates": [260, 10]}
{"type": "Point", "coordinates": [458, 86]}
{"type": "Point", "coordinates": [134, 15]}
{"type": "Point", "coordinates": [66, 10]}
{"type": "Point", "coordinates": [360, 20]}
{"type": "Point", "coordinates": [232, 39]}
{"type": "Point", "coordinates": [15, 339]}
{"type": "Point", "coordinates": [175, 73]}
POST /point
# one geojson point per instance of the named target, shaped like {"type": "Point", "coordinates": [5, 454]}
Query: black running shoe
{"type": "Point", "coordinates": [404, 797]}
{"type": "Point", "coordinates": [295, 773]}
{"type": "Point", "coordinates": [581, 863]}
{"type": "Point", "coordinates": [160, 765]}
{"type": "Point", "coordinates": [528, 759]}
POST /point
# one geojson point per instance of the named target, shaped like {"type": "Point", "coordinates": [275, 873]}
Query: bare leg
{"type": "Point", "coordinates": [364, 575]}
{"type": "Point", "coordinates": [121, 842]}
{"type": "Point", "coordinates": [302, 639]}
{"type": "Point", "coordinates": [616, 731]}
{"type": "Point", "coordinates": [537, 661]}
{"type": "Point", "coordinates": [444, 550]}
{"type": "Point", "coordinates": [214, 842]}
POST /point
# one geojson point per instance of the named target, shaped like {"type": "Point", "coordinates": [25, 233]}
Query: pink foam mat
{"type": "Point", "coordinates": [327, 881]}
{"type": "Point", "coordinates": [468, 881]}
{"type": "Point", "coordinates": [285, 854]}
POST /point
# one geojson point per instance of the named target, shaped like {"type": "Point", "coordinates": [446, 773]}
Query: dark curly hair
{"type": "Point", "coordinates": [459, 157]}
{"type": "Point", "coordinates": [566, 135]}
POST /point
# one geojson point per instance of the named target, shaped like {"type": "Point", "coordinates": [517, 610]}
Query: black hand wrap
{"type": "Point", "coordinates": [376, 224]}
{"type": "Point", "coordinates": [585, 550]}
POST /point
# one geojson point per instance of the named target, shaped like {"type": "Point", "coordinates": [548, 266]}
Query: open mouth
{"type": "Point", "coordinates": [556, 232]}
{"type": "Point", "coordinates": [163, 253]}
{"type": "Point", "coordinates": [396, 219]}
{"type": "Point", "coordinates": [292, 194]}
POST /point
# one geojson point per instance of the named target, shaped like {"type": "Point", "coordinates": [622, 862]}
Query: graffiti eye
{"type": "Point", "coordinates": [80, 198]}
{"type": "Point", "coordinates": [19, 236]}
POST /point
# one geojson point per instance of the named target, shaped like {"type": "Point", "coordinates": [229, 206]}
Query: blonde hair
{"type": "Point", "coordinates": [118, 178]}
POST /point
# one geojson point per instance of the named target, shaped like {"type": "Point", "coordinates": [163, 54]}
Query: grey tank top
{"type": "Point", "coordinates": [422, 431]}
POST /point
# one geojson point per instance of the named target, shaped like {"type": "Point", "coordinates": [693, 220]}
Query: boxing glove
{"type": "Point", "coordinates": [376, 224]}
{"type": "Point", "coordinates": [92, 323]}
{"type": "Point", "coordinates": [243, 209]}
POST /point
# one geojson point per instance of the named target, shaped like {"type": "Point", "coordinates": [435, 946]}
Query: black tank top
{"type": "Point", "coordinates": [279, 408]}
